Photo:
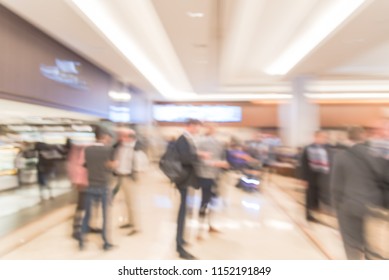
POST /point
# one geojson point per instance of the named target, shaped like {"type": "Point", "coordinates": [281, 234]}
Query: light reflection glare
{"type": "Point", "coordinates": [163, 202]}
{"type": "Point", "coordinates": [279, 225]}
{"type": "Point", "coordinates": [251, 205]}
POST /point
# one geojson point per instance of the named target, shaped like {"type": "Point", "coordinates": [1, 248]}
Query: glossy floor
{"type": "Point", "coordinates": [264, 225]}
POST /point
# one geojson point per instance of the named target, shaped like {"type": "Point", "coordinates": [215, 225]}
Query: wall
{"type": "Point", "coordinates": [25, 51]}
{"type": "Point", "coordinates": [342, 115]}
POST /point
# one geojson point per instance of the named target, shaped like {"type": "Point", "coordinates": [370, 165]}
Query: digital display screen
{"type": "Point", "coordinates": [208, 113]}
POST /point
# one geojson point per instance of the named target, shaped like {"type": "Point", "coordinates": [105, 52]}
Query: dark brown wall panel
{"type": "Point", "coordinates": [25, 49]}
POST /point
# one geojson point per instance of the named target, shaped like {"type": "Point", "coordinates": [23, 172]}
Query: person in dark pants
{"type": "Point", "coordinates": [47, 157]}
{"type": "Point", "coordinates": [98, 161]}
{"type": "Point", "coordinates": [315, 165]}
{"type": "Point", "coordinates": [208, 172]}
{"type": "Point", "coordinates": [188, 157]}
{"type": "Point", "coordinates": [78, 176]}
{"type": "Point", "coordinates": [357, 182]}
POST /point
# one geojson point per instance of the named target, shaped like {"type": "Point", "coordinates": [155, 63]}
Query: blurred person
{"type": "Point", "coordinates": [315, 169]}
{"type": "Point", "coordinates": [379, 139]}
{"type": "Point", "coordinates": [188, 157]}
{"type": "Point", "coordinates": [247, 167]}
{"type": "Point", "coordinates": [236, 156]}
{"type": "Point", "coordinates": [47, 157]}
{"type": "Point", "coordinates": [78, 176]}
{"type": "Point", "coordinates": [25, 161]}
{"type": "Point", "coordinates": [208, 171]}
{"type": "Point", "coordinates": [125, 155]}
{"type": "Point", "coordinates": [258, 149]}
{"type": "Point", "coordinates": [99, 163]}
{"type": "Point", "coordinates": [356, 183]}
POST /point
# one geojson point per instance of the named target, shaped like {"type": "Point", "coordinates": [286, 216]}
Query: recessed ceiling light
{"type": "Point", "coordinates": [195, 14]}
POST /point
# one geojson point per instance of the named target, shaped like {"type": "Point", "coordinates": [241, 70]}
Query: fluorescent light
{"type": "Point", "coordinates": [99, 15]}
{"type": "Point", "coordinates": [264, 89]}
{"type": "Point", "coordinates": [120, 96]}
{"type": "Point", "coordinates": [195, 15]}
{"type": "Point", "coordinates": [347, 95]}
{"type": "Point", "coordinates": [338, 12]}
{"type": "Point", "coordinates": [237, 97]}
{"type": "Point", "coordinates": [350, 86]}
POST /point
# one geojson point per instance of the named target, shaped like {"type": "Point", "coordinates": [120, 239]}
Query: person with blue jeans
{"type": "Point", "coordinates": [99, 163]}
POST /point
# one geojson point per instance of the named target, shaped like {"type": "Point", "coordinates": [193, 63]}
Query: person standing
{"type": "Point", "coordinates": [48, 155]}
{"type": "Point", "coordinates": [98, 161]}
{"type": "Point", "coordinates": [188, 157]}
{"type": "Point", "coordinates": [208, 171]}
{"type": "Point", "coordinates": [315, 169]}
{"type": "Point", "coordinates": [125, 155]}
{"type": "Point", "coordinates": [357, 180]}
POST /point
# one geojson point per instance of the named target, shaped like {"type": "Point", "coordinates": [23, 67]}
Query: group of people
{"type": "Point", "coordinates": [350, 178]}
{"type": "Point", "coordinates": [100, 171]}
{"type": "Point", "coordinates": [353, 179]}
{"type": "Point", "coordinates": [203, 159]}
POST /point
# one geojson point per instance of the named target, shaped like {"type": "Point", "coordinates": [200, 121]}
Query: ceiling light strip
{"type": "Point", "coordinates": [324, 26]}
{"type": "Point", "coordinates": [238, 97]}
{"type": "Point", "coordinates": [100, 17]}
{"type": "Point", "coordinates": [347, 96]}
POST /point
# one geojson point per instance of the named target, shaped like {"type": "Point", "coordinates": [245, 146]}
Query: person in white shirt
{"type": "Point", "coordinates": [124, 154]}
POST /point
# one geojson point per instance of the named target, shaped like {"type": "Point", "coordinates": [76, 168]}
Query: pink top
{"type": "Point", "coordinates": [77, 173]}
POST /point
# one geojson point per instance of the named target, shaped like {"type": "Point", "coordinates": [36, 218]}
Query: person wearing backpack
{"type": "Point", "coordinates": [188, 157]}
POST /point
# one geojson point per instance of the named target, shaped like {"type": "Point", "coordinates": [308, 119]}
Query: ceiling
{"type": "Point", "coordinates": [225, 49]}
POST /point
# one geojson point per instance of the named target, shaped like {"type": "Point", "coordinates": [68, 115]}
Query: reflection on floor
{"type": "Point", "coordinates": [264, 225]}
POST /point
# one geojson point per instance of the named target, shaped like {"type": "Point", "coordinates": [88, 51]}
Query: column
{"type": "Point", "coordinates": [298, 119]}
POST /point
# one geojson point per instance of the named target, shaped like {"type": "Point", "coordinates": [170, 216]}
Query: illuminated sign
{"type": "Point", "coordinates": [180, 113]}
{"type": "Point", "coordinates": [65, 72]}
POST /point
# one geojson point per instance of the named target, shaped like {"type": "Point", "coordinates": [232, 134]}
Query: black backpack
{"type": "Point", "coordinates": [171, 165]}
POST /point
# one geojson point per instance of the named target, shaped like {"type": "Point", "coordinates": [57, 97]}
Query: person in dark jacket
{"type": "Point", "coordinates": [47, 157]}
{"type": "Point", "coordinates": [315, 168]}
{"type": "Point", "coordinates": [357, 180]}
{"type": "Point", "coordinates": [186, 148]}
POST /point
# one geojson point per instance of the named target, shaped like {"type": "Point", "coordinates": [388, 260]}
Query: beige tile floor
{"type": "Point", "coordinates": [264, 225]}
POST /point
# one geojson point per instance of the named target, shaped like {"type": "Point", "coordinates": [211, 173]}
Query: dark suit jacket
{"type": "Point", "coordinates": [189, 159]}
{"type": "Point", "coordinates": [356, 180]}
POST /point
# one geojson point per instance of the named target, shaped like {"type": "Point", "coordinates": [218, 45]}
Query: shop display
{"type": "Point", "coordinates": [8, 169]}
